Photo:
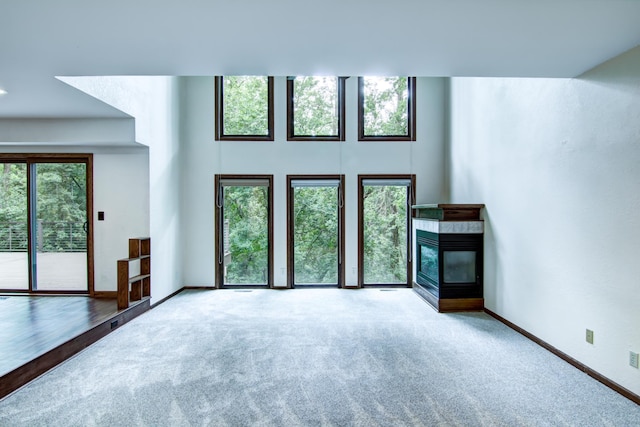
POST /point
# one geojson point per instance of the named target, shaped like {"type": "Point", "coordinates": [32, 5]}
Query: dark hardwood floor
{"type": "Point", "coordinates": [39, 332]}
{"type": "Point", "coordinates": [31, 326]}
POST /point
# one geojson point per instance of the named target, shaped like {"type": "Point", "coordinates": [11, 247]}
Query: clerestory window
{"type": "Point", "coordinates": [386, 108]}
{"type": "Point", "coordinates": [315, 108]}
{"type": "Point", "coordinates": [244, 108]}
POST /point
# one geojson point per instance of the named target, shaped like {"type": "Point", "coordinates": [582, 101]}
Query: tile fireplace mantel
{"type": "Point", "coordinates": [448, 227]}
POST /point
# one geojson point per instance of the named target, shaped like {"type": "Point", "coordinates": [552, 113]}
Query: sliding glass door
{"type": "Point", "coordinates": [60, 240]}
{"type": "Point", "coordinates": [45, 239]}
{"type": "Point", "coordinates": [14, 242]}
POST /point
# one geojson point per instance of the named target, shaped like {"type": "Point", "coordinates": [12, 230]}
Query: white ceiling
{"type": "Point", "coordinates": [41, 39]}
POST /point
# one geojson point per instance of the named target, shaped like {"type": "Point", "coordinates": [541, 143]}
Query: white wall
{"type": "Point", "coordinates": [556, 163]}
{"type": "Point", "coordinates": [79, 131]}
{"type": "Point", "coordinates": [202, 158]}
{"type": "Point", "coordinates": [154, 103]}
{"type": "Point", "coordinates": [121, 190]}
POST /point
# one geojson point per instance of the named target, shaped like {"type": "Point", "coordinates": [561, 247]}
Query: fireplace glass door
{"type": "Point", "coordinates": [459, 266]}
{"type": "Point", "coordinates": [429, 262]}
{"type": "Point", "coordinates": [449, 265]}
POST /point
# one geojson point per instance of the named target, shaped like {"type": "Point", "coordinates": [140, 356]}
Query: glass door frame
{"type": "Point", "coordinates": [32, 159]}
{"type": "Point", "coordinates": [290, 226]}
{"type": "Point", "coordinates": [219, 228]}
{"type": "Point", "coordinates": [411, 197]}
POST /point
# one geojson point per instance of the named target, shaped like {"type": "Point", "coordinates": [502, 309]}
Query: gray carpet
{"type": "Point", "coordinates": [314, 357]}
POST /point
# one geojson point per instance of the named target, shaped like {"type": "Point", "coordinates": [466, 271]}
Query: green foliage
{"type": "Point", "coordinates": [61, 192]}
{"type": "Point", "coordinates": [385, 234]}
{"type": "Point", "coordinates": [61, 206]}
{"type": "Point", "coordinates": [13, 193]}
{"type": "Point", "coordinates": [13, 207]}
{"type": "Point", "coordinates": [246, 105]}
{"type": "Point", "coordinates": [386, 106]}
{"type": "Point", "coordinates": [245, 209]}
{"type": "Point", "coordinates": [315, 235]}
{"type": "Point", "coordinates": [315, 101]}
{"type": "Point", "coordinates": [61, 201]}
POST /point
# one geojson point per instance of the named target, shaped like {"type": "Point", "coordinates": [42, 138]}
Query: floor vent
{"type": "Point", "coordinates": [388, 290]}
{"type": "Point", "coordinates": [242, 290]}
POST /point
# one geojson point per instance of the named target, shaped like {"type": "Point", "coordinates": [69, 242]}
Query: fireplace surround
{"type": "Point", "coordinates": [448, 254]}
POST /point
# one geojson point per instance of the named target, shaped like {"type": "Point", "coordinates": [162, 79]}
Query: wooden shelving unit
{"type": "Point", "coordinates": [135, 288]}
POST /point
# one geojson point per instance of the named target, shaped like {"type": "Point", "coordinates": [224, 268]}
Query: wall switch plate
{"type": "Point", "coordinates": [100, 216]}
{"type": "Point", "coordinates": [589, 336]}
{"type": "Point", "coordinates": [633, 359]}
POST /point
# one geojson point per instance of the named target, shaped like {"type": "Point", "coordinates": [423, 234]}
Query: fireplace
{"type": "Point", "coordinates": [449, 262]}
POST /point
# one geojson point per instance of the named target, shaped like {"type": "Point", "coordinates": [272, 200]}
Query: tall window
{"type": "Point", "coordinates": [384, 232]}
{"type": "Point", "coordinates": [386, 108]}
{"type": "Point", "coordinates": [244, 108]}
{"type": "Point", "coordinates": [315, 230]}
{"type": "Point", "coordinates": [315, 108]}
{"type": "Point", "coordinates": [244, 224]}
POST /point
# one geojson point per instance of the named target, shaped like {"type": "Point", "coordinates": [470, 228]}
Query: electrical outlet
{"type": "Point", "coordinates": [589, 336]}
{"type": "Point", "coordinates": [633, 359]}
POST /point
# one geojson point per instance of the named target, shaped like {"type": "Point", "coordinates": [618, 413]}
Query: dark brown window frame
{"type": "Point", "coordinates": [412, 195]}
{"type": "Point", "coordinates": [411, 115]}
{"type": "Point", "coordinates": [291, 118]}
{"type": "Point", "coordinates": [219, 114]}
{"type": "Point", "coordinates": [341, 230]}
{"type": "Point", "coordinates": [87, 159]}
{"type": "Point", "coordinates": [219, 273]}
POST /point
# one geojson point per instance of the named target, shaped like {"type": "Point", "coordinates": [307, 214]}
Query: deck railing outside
{"type": "Point", "coordinates": [51, 236]}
